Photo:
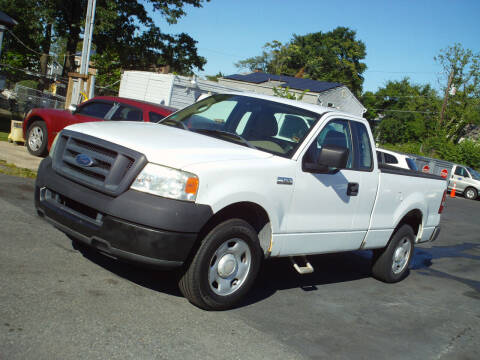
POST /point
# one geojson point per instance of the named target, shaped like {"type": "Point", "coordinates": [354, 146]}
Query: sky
{"type": "Point", "coordinates": [401, 37]}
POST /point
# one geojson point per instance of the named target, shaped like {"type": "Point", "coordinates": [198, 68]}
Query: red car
{"type": "Point", "coordinates": [40, 126]}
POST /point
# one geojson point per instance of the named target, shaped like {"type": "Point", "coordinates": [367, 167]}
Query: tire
{"type": "Point", "coordinates": [224, 268]}
{"type": "Point", "coordinates": [37, 139]}
{"type": "Point", "coordinates": [470, 193]}
{"type": "Point", "coordinates": [391, 263]}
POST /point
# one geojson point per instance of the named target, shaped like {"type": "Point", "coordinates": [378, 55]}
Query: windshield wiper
{"type": "Point", "coordinates": [175, 123]}
{"type": "Point", "coordinates": [225, 134]}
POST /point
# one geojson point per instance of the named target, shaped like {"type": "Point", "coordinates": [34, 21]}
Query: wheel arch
{"type": "Point", "coordinates": [252, 213]}
{"type": "Point", "coordinates": [414, 218]}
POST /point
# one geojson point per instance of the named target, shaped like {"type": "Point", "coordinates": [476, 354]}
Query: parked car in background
{"type": "Point", "coordinates": [467, 181]}
{"type": "Point", "coordinates": [393, 158]}
{"type": "Point", "coordinates": [40, 126]}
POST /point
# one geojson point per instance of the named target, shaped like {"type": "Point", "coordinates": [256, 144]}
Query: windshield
{"type": "Point", "coordinates": [474, 174]}
{"type": "Point", "coordinates": [266, 125]}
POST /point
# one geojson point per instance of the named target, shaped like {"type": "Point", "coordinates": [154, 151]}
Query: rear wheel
{"type": "Point", "coordinates": [224, 267]}
{"type": "Point", "coordinates": [37, 139]}
{"type": "Point", "coordinates": [390, 264]}
{"type": "Point", "coordinates": [471, 193]}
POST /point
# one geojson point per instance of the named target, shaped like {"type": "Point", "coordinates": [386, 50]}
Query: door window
{"type": "Point", "coordinates": [460, 171]}
{"type": "Point", "coordinates": [336, 132]}
{"type": "Point", "coordinates": [95, 109]}
{"type": "Point", "coordinates": [379, 157]}
{"type": "Point", "coordinates": [127, 113]}
{"type": "Point", "coordinates": [364, 159]}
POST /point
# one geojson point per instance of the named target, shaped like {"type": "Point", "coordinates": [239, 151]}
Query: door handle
{"type": "Point", "coordinates": [352, 189]}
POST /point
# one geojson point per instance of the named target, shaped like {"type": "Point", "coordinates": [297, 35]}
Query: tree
{"type": "Point", "coordinates": [124, 35]}
{"type": "Point", "coordinates": [408, 112]}
{"type": "Point", "coordinates": [123, 28]}
{"type": "Point", "coordinates": [463, 107]}
{"type": "Point", "coordinates": [334, 56]}
{"type": "Point", "coordinates": [30, 31]}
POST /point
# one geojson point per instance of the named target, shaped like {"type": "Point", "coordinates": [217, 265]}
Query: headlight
{"type": "Point", "coordinates": [167, 182]}
{"type": "Point", "coordinates": [54, 143]}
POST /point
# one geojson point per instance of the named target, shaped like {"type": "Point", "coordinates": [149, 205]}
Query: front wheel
{"type": "Point", "coordinates": [471, 193]}
{"type": "Point", "coordinates": [224, 267]}
{"type": "Point", "coordinates": [37, 139]}
{"type": "Point", "coordinates": [390, 264]}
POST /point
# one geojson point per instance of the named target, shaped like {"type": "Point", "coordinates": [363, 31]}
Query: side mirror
{"type": "Point", "coordinates": [331, 156]}
{"type": "Point", "coordinates": [72, 108]}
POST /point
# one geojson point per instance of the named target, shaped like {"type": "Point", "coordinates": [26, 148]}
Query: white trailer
{"type": "Point", "coordinates": [167, 89]}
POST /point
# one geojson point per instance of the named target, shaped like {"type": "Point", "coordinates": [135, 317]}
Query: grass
{"type": "Point", "coordinates": [3, 136]}
{"type": "Point", "coordinates": [10, 169]}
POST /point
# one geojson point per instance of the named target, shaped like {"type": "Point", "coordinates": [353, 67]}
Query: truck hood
{"type": "Point", "coordinates": [166, 145]}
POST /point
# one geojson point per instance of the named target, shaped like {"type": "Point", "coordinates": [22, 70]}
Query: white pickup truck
{"type": "Point", "coordinates": [234, 179]}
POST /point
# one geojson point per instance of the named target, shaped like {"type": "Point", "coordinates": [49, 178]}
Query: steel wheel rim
{"type": "Point", "coordinates": [35, 139]}
{"type": "Point", "coordinates": [401, 256]}
{"type": "Point", "coordinates": [470, 193]}
{"type": "Point", "coordinates": [229, 267]}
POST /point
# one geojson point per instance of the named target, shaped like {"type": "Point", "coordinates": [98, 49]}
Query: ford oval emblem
{"type": "Point", "coordinates": [84, 160]}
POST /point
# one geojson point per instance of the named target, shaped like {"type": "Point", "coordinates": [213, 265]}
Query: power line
{"type": "Point", "coordinates": [406, 111]}
{"type": "Point", "coordinates": [27, 47]}
{"type": "Point", "coordinates": [404, 72]}
{"type": "Point", "coordinates": [34, 73]}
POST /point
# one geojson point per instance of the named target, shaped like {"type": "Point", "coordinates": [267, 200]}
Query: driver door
{"type": "Point", "coordinates": [331, 211]}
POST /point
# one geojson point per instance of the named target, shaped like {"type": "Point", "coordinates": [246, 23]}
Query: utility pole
{"type": "Point", "coordinates": [445, 97]}
{"type": "Point", "coordinates": [87, 42]}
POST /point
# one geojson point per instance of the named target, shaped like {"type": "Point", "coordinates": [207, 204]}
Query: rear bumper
{"type": "Point", "coordinates": [164, 236]}
{"type": "Point", "coordinates": [433, 236]}
{"type": "Point", "coordinates": [435, 233]}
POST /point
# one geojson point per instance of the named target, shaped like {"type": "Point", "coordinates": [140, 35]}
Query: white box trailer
{"type": "Point", "coordinates": [167, 89]}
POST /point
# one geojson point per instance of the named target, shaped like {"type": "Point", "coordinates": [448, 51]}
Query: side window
{"type": "Point", "coordinates": [460, 171]}
{"type": "Point", "coordinates": [364, 159]}
{"type": "Point", "coordinates": [336, 132]}
{"type": "Point", "coordinates": [95, 109]}
{"type": "Point", "coordinates": [128, 113]}
{"type": "Point", "coordinates": [379, 157]}
{"type": "Point", "coordinates": [390, 159]}
{"type": "Point", "coordinates": [155, 117]}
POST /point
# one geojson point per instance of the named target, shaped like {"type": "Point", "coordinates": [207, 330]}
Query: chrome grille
{"type": "Point", "coordinates": [113, 167]}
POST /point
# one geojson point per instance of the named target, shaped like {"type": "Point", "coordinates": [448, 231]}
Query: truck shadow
{"type": "Point", "coordinates": [278, 274]}
{"type": "Point", "coordinates": [153, 279]}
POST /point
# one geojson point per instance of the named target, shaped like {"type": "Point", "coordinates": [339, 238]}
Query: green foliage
{"type": "Point", "coordinates": [215, 77]}
{"type": "Point", "coordinates": [466, 152]}
{"type": "Point", "coordinates": [284, 92]}
{"type": "Point", "coordinates": [108, 72]}
{"type": "Point", "coordinates": [333, 56]}
{"type": "Point", "coordinates": [408, 112]}
{"type": "Point", "coordinates": [28, 83]}
{"type": "Point", "coordinates": [123, 32]}
{"type": "Point", "coordinates": [463, 107]}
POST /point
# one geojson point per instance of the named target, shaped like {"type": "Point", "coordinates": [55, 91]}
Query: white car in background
{"type": "Point", "coordinates": [393, 158]}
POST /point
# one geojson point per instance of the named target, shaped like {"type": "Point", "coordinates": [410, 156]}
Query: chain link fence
{"type": "Point", "coordinates": [19, 91]}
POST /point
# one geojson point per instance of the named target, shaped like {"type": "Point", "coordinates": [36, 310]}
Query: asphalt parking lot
{"type": "Point", "coordinates": [56, 303]}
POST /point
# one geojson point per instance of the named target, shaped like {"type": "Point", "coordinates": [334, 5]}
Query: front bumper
{"type": "Point", "coordinates": [133, 226]}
